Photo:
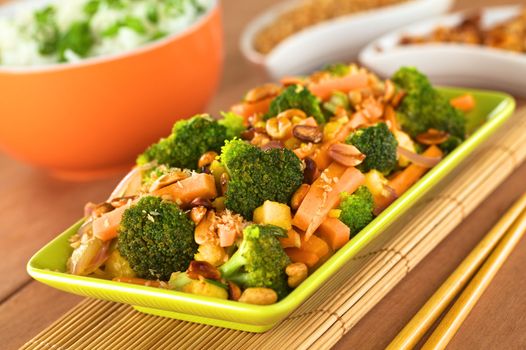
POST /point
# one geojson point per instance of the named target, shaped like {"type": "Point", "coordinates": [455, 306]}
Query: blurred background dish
{"type": "Point", "coordinates": [299, 36]}
{"type": "Point", "coordinates": [487, 52]}
{"type": "Point", "coordinates": [88, 118]}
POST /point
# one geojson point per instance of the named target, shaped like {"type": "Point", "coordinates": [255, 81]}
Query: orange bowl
{"type": "Point", "coordinates": [94, 117]}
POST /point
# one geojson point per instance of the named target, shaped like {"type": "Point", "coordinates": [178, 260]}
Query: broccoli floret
{"type": "Point", "coordinates": [260, 261]}
{"type": "Point", "coordinates": [234, 124]}
{"type": "Point", "coordinates": [357, 209]}
{"type": "Point", "coordinates": [423, 108]}
{"type": "Point", "coordinates": [256, 176]}
{"type": "Point", "coordinates": [337, 69]}
{"type": "Point", "coordinates": [379, 146]}
{"type": "Point", "coordinates": [299, 97]}
{"type": "Point", "coordinates": [156, 238]}
{"type": "Point", "coordinates": [189, 140]}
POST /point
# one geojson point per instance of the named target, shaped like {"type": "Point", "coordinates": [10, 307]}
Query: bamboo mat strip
{"type": "Point", "coordinates": [343, 300]}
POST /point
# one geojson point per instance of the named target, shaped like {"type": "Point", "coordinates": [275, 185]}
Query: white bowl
{"type": "Point", "coordinates": [335, 40]}
{"type": "Point", "coordinates": [452, 64]}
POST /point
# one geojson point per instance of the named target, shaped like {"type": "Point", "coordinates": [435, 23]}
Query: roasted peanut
{"type": "Point", "coordinates": [234, 292]}
{"type": "Point", "coordinates": [205, 231]}
{"type": "Point", "coordinates": [259, 296]}
{"type": "Point", "coordinates": [346, 155]}
{"type": "Point", "coordinates": [197, 214]}
{"type": "Point", "coordinates": [204, 269]}
{"type": "Point", "coordinates": [279, 127]}
{"type": "Point", "coordinates": [297, 273]}
{"type": "Point", "coordinates": [299, 196]}
{"type": "Point", "coordinates": [102, 208]}
{"type": "Point", "coordinates": [311, 171]}
{"type": "Point", "coordinates": [292, 113]}
{"type": "Point", "coordinates": [168, 179]}
{"type": "Point", "coordinates": [308, 133]}
{"type": "Point", "coordinates": [206, 159]}
{"type": "Point", "coordinates": [262, 92]}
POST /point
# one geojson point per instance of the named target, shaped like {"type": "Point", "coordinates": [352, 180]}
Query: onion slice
{"type": "Point", "coordinates": [418, 159]}
{"type": "Point", "coordinates": [130, 185]}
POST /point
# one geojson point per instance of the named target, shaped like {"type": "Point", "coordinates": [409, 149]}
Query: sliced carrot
{"type": "Point", "coordinates": [324, 195]}
{"type": "Point", "coordinates": [464, 102]}
{"type": "Point", "coordinates": [406, 178]}
{"type": "Point", "coordinates": [334, 232]}
{"type": "Point", "coordinates": [105, 227]}
{"type": "Point", "coordinates": [291, 80]}
{"type": "Point", "coordinates": [321, 156]}
{"type": "Point", "coordinates": [303, 256]}
{"type": "Point", "coordinates": [315, 245]}
{"type": "Point", "coordinates": [185, 191]}
{"type": "Point", "coordinates": [326, 87]}
{"type": "Point", "coordinates": [247, 109]}
{"type": "Point", "coordinates": [293, 239]}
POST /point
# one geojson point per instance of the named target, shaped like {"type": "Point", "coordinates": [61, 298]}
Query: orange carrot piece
{"type": "Point", "coordinates": [324, 196]}
{"type": "Point", "coordinates": [139, 281]}
{"type": "Point", "coordinates": [326, 87]}
{"type": "Point", "coordinates": [464, 102]}
{"type": "Point", "coordinates": [293, 240]}
{"type": "Point", "coordinates": [303, 256]}
{"type": "Point", "coordinates": [226, 238]}
{"type": "Point", "coordinates": [246, 109]}
{"type": "Point", "coordinates": [185, 191]}
{"type": "Point", "coordinates": [105, 227]}
{"type": "Point", "coordinates": [406, 178]}
{"type": "Point", "coordinates": [315, 245]}
{"type": "Point", "coordinates": [334, 232]}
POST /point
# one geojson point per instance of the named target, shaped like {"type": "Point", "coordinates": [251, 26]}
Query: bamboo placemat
{"type": "Point", "coordinates": [344, 299]}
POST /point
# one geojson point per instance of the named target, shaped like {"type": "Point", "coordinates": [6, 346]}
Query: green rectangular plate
{"type": "Point", "coordinates": [49, 264]}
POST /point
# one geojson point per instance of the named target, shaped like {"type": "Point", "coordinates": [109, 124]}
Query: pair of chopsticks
{"type": "Point", "coordinates": [477, 269]}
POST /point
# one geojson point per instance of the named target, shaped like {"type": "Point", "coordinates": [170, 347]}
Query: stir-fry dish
{"type": "Point", "coordinates": [71, 30]}
{"type": "Point", "coordinates": [507, 35]}
{"type": "Point", "coordinates": [245, 207]}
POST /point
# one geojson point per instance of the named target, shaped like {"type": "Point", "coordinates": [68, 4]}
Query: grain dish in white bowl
{"type": "Point", "coordinates": [339, 38]}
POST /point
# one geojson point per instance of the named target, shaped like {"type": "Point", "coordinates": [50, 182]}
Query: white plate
{"type": "Point", "coordinates": [335, 40]}
{"type": "Point", "coordinates": [452, 64]}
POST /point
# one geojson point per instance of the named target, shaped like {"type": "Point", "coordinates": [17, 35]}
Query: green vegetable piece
{"type": "Point", "coordinates": [47, 33]}
{"type": "Point", "coordinates": [357, 209]}
{"type": "Point", "coordinates": [296, 96]}
{"type": "Point", "coordinates": [337, 69]}
{"type": "Point", "coordinates": [156, 238]}
{"type": "Point", "coordinates": [234, 124]}
{"type": "Point", "coordinates": [338, 99]}
{"type": "Point", "coordinates": [190, 138]}
{"type": "Point", "coordinates": [260, 261]}
{"type": "Point", "coordinates": [256, 176]}
{"type": "Point", "coordinates": [423, 108]}
{"type": "Point", "coordinates": [379, 146]}
{"type": "Point", "coordinates": [78, 39]}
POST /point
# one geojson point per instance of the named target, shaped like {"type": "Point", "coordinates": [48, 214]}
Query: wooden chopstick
{"type": "Point", "coordinates": [435, 306]}
{"type": "Point", "coordinates": [450, 324]}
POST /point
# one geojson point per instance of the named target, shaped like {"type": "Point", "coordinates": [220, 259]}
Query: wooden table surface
{"type": "Point", "coordinates": [36, 207]}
